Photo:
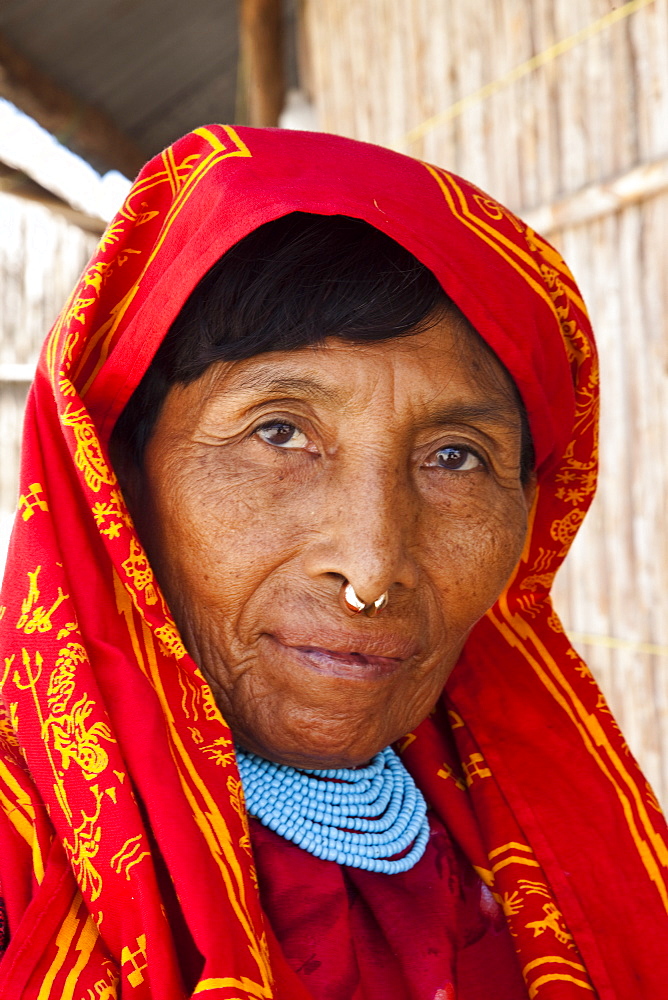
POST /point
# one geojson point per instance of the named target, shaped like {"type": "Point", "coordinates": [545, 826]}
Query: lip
{"type": "Point", "coordinates": [343, 655]}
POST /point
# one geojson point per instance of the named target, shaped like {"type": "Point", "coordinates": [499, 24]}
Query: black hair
{"type": "Point", "coordinates": [292, 283]}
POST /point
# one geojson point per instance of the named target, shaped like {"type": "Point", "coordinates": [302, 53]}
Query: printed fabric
{"type": "Point", "coordinates": [123, 831]}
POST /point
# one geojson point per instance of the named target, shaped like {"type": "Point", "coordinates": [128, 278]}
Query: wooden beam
{"type": "Point", "coordinates": [599, 199]}
{"type": "Point", "coordinates": [262, 60]}
{"type": "Point", "coordinates": [18, 184]}
{"type": "Point", "coordinates": [79, 126]}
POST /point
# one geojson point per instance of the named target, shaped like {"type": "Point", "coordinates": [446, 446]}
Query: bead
{"type": "Point", "coordinates": [359, 818]}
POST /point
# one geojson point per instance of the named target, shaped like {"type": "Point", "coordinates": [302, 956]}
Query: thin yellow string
{"type": "Point", "coordinates": [609, 642]}
{"type": "Point", "coordinates": [541, 59]}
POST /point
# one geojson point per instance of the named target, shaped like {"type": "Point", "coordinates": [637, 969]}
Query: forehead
{"type": "Point", "coordinates": [447, 353]}
{"type": "Point", "coordinates": [417, 378]}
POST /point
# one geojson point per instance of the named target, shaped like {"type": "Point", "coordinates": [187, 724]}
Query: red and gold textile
{"type": "Point", "coordinates": [118, 778]}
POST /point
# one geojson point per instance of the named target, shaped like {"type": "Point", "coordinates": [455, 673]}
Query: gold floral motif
{"type": "Point", "coordinates": [215, 751]}
{"type": "Point", "coordinates": [236, 791]}
{"type": "Point", "coordinates": [583, 670]}
{"type": "Point", "coordinates": [112, 234]}
{"type": "Point", "coordinates": [88, 455]}
{"type": "Point", "coordinates": [139, 571]}
{"type": "Point", "coordinates": [115, 512]}
{"type": "Point", "coordinates": [170, 641]}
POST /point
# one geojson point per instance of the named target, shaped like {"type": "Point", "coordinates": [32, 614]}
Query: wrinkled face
{"type": "Point", "coordinates": [270, 482]}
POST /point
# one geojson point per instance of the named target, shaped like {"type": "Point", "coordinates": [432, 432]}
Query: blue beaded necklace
{"type": "Point", "coordinates": [360, 818]}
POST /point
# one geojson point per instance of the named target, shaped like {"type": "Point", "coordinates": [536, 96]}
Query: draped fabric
{"type": "Point", "coordinates": [123, 835]}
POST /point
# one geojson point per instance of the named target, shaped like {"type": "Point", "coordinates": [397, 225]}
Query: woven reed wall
{"type": "Point", "coordinates": [547, 138]}
{"type": "Point", "coordinates": [41, 257]}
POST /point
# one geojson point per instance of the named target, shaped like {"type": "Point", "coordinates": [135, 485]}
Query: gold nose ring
{"type": "Point", "coordinates": [353, 603]}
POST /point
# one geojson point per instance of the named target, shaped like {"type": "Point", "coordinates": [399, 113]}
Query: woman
{"type": "Point", "coordinates": [331, 517]}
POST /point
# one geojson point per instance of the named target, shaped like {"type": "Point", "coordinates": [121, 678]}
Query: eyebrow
{"type": "Point", "coordinates": [286, 385]}
{"type": "Point", "coordinates": [506, 413]}
{"type": "Point", "coordinates": [500, 412]}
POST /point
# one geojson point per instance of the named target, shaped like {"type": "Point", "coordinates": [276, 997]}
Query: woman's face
{"type": "Point", "coordinates": [270, 482]}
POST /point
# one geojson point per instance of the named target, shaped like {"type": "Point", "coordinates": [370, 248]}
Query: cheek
{"type": "Point", "coordinates": [472, 555]}
{"type": "Point", "coordinates": [213, 539]}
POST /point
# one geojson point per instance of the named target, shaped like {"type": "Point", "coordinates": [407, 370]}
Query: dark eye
{"type": "Point", "coordinates": [282, 435]}
{"type": "Point", "coordinates": [456, 458]}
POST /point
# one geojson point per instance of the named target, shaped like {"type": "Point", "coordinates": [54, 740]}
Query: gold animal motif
{"type": "Point", "coordinates": [61, 682]}
{"type": "Point", "coordinates": [554, 922]}
{"type": "Point", "coordinates": [8, 721]}
{"type": "Point", "coordinates": [104, 989]}
{"type": "Point", "coordinates": [76, 742]}
{"type": "Point", "coordinates": [564, 531]}
{"type": "Point", "coordinates": [77, 311]}
{"type": "Point", "coordinates": [85, 847]}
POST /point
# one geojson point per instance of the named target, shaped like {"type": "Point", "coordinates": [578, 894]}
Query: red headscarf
{"type": "Point", "coordinates": [116, 763]}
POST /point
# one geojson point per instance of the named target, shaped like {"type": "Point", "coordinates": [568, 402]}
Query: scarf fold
{"type": "Point", "coordinates": [117, 769]}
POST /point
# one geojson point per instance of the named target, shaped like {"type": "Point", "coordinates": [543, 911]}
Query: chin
{"type": "Point", "coordinates": [324, 755]}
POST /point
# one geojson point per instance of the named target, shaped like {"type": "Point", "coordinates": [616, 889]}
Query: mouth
{"type": "Point", "coordinates": [343, 662]}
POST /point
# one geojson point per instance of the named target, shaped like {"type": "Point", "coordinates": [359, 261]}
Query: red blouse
{"type": "Point", "coordinates": [432, 933]}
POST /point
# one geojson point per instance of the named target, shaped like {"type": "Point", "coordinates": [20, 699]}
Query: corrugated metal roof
{"type": "Point", "coordinates": [157, 67]}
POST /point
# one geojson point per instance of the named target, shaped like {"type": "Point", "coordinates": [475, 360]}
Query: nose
{"type": "Point", "coordinates": [365, 533]}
